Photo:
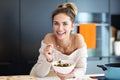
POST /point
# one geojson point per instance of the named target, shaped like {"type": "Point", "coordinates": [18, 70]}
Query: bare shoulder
{"type": "Point", "coordinates": [79, 40]}
{"type": "Point", "coordinates": [48, 38]}
{"type": "Point", "coordinates": [79, 37]}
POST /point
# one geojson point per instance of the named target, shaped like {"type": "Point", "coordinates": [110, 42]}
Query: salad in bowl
{"type": "Point", "coordinates": [63, 66]}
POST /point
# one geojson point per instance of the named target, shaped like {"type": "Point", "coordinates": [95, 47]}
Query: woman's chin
{"type": "Point", "coordinates": [60, 37]}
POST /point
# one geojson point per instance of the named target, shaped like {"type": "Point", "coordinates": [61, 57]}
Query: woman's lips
{"type": "Point", "coordinates": [60, 33]}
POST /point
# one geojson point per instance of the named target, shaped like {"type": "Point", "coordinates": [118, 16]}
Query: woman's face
{"type": "Point", "coordinates": [62, 26]}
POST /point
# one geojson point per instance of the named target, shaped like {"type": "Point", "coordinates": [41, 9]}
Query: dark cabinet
{"type": "Point", "coordinates": [23, 24]}
{"type": "Point", "coordinates": [9, 35]}
{"type": "Point", "coordinates": [115, 13]}
{"type": "Point", "coordinates": [115, 22]}
{"type": "Point", "coordinates": [35, 24]}
{"type": "Point", "coordinates": [9, 30]}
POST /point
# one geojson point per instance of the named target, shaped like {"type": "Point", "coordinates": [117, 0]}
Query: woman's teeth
{"type": "Point", "coordinates": [61, 33]}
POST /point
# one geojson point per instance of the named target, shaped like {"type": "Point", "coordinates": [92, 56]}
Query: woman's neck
{"type": "Point", "coordinates": [64, 43]}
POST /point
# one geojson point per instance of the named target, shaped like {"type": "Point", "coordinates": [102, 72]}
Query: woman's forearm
{"type": "Point", "coordinates": [41, 68]}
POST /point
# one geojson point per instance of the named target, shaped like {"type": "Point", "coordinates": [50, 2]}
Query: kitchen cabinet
{"type": "Point", "coordinates": [115, 21]}
{"type": "Point", "coordinates": [95, 6]}
{"type": "Point", "coordinates": [96, 11]}
{"type": "Point", "coordinates": [115, 7]}
{"type": "Point", "coordinates": [35, 24]}
{"type": "Point", "coordinates": [35, 20]}
{"type": "Point", "coordinates": [23, 24]}
{"type": "Point", "coordinates": [9, 30]}
{"type": "Point", "coordinates": [9, 35]}
{"type": "Point", "coordinates": [115, 13]}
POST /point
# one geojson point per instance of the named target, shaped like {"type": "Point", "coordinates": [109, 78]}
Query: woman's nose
{"type": "Point", "coordinates": [60, 27]}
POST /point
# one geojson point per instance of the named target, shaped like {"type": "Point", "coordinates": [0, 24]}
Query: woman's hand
{"type": "Point", "coordinates": [65, 76]}
{"type": "Point", "coordinates": [48, 52]}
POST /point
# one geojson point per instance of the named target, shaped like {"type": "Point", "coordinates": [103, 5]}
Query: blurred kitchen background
{"type": "Point", "coordinates": [24, 23]}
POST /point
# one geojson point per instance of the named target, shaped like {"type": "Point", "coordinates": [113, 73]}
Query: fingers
{"type": "Point", "coordinates": [48, 52]}
{"type": "Point", "coordinates": [49, 47]}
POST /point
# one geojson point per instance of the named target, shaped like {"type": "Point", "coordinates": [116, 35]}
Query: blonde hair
{"type": "Point", "coordinates": [67, 8]}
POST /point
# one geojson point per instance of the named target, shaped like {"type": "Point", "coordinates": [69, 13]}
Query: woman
{"type": "Point", "coordinates": [61, 44]}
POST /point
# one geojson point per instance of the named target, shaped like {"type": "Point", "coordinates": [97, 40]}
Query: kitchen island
{"type": "Point", "coordinates": [51, 76]}
{"type": "Point", "coordinates": [27, 77]}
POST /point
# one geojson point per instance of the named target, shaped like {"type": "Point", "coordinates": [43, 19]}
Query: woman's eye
{"type": "Point", "coordinates": [65, 24]}
{"type": "Point", "coordinates": [56, 23]}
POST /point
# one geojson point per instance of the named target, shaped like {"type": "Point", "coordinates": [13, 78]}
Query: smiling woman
{"type": "Point", "coordinates": [61, 44]}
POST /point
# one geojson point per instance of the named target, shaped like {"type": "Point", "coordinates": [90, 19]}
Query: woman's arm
{"type": "Point", "coordinates": [42, 67]}
{"type": "Point", "coordinates": [81, 60]}
{"type": "Point", "coordinates": [81, 67]}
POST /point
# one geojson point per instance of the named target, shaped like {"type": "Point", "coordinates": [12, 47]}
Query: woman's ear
{"type": "Point", "coordinates": [73, 25]}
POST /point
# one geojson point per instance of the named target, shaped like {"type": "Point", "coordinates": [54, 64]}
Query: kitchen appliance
{"type": "Point", "coordinates": [117, 48]}
{"type": "Point", "coordinates": [118, 34]}
{"type": "Point", "coordinates": [112, 71]}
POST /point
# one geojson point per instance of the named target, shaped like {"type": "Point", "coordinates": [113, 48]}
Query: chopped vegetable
{"type": "Point", "coordinates": [61, 64]}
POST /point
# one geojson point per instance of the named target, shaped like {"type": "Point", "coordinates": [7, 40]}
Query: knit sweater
{"type": "Point", "coordinates": [43, 67]}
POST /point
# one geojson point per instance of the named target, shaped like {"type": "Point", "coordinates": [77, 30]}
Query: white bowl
{"type": "Point", "coordinates": [64, 70]}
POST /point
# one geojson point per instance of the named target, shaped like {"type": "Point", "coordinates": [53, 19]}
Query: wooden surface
{"type": "Point", "coordinates": [18, 77]}
{"type": "Point", "coordinates": [34, 78]}
{"type": "Point", "coordinates": [51, 76]}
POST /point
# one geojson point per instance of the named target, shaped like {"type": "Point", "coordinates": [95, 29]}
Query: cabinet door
{"type": "Point", "coordinates": [115, 6]}
{"type": "Point", "coordinates": [92, 5]}
{"type": "Point", "coordinates": [9, 30]}
{"type": "Point", "coordinates": [35, 24]}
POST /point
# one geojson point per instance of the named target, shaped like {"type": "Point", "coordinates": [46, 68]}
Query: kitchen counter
{"type": "Point", "coordinates": [51, 76]}
{"type": "Point", "coordinates": [17, 77]}
{"type": "Point", "coordinates": [27, 77]}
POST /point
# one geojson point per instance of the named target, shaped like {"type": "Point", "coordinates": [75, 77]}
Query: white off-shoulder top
{"type": "Point", "coordinates": [42, 67]}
